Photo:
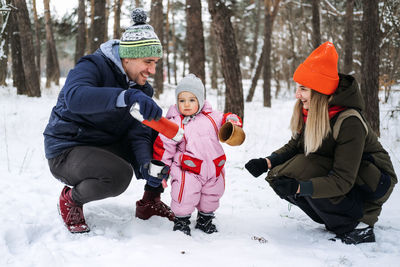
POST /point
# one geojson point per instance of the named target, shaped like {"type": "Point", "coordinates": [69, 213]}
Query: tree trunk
{"type": "Point", "coordinates": [89, 29]}
{"type": "Point", "coordinates": [214, 60]}
{"type": "Point", "coordinates": [293, 55]}
{"type": "Point", "coordinates": [15, 43]}
{"type": "Point", "coordinates": [184, 59]}
{"type": "Point", "coordinates": [27, 51]}
{"type": "Point", "coordinates": [4, 45]}
{"type": "Point", "coordinates": [4, 57]}
{"type": "Point", "coordinates": [107, 14]}
{"type": "Point", "coordinates": [37, 38]}
{"type": "Point", "coordinates": [256, 76]}
{"type": "Point", "coordinates": [175, 47]}
{"type": "Point", "coordinates": [228, 55]}
{"type": "Point", "coordinates": [167, 36]}
{"type": "Point", "coordinates": [81, 32]}
{"type": "Point", "coordinates": [370, 62]}
{"type": "Point", "coordinates": [117, 19]}
{"type": "Point", "coordinates": [195, 39]}
{"type": "Point", "coordinates": [348, 38]}
{"type": "Point", "coordinates": [52, 67]}
{"type": "Point", "coordinates": [98, 24]}
{"type": "Point", "coordinates": [240, 27]}
{"type": "Point", "coordinates": [157, 21]}
{"type": "Point", "coordinates": [277, 78]}
{"type": "Point", "coordinates": [316, 34]}
{"type": "Point", "coordinates": [269, 22]}
{"type": "Point", "coordinates": [253, 55]}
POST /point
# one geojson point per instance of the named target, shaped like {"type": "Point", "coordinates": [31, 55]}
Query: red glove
{"type": "Point", "coordinates": [233, 118]}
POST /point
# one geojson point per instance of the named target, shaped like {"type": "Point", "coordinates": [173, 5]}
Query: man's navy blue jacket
{"type": "Point", "coordinates": [86, 112]}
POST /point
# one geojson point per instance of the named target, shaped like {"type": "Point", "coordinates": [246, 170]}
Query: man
{"type": "Point", "coordinates": [92, 142]}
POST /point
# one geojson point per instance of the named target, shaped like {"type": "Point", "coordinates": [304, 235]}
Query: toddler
{"type": "Point", "coordinates": [197, 161]}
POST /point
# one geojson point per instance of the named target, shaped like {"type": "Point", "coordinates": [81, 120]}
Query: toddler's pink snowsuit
{"type": "Point", "coordinates": [197, 162]}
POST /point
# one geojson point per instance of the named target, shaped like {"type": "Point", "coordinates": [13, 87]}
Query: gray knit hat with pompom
{"type": "Point", "coordinates": [139, 40]}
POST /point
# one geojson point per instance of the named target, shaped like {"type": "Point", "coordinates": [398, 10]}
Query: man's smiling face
{"type": "Point", "coordinates": [139, 69]}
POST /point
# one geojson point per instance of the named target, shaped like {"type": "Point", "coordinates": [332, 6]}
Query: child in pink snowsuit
{"type": "Point", "coordinates": [197, 161]}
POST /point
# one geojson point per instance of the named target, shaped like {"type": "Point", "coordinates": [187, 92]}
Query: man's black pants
{"type": "Point", "coordinates": [95, 173]}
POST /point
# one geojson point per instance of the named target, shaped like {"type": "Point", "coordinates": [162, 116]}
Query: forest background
{"type": "Point", "coordinates": [223, 42]}
{"type": "Point", "coordinates": [256, 228]}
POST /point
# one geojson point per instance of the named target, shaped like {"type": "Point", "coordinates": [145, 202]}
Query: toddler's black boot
{"type": "Point", "coordinates": [182, 224]}
{"type": "Point", "coordinates": [204, 223]}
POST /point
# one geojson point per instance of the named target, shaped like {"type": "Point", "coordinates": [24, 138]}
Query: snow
{"type": "Point", "coordinates": [32, 234]}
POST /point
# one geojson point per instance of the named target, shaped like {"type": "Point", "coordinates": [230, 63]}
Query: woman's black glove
{"type": "Point", "coordinates": [257, 166]}
{"type": "Point", "coordinates": [284, 186]}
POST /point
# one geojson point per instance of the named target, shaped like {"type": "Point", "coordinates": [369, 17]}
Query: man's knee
{"type": "Point", "coordinates": [121, 181]}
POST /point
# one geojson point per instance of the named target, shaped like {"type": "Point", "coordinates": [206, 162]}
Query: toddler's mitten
{"type": "Point", "coordinates": [233, 118]}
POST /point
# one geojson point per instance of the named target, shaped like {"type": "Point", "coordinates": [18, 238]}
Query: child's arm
{"type": "Point", "coordinates": [164, 149]}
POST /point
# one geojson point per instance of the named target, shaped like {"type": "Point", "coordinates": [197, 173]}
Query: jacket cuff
{"type": "Point", "coordinates": [306, 188]}
{"type": "Point", "coordinates": [121, 100]}
{"type": "Point", "coordinates": [274, 158]}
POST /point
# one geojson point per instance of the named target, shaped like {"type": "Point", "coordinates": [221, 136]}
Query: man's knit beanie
{"type": "Point", "coordinates": [190, 83]}
{"type": "Point", "coordinates": [139, 40]}
{"type": "Point", "coordinates": [319, 71]}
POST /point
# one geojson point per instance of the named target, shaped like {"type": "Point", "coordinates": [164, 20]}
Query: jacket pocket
{"type": "Point", "coordinates": [219, 164]}
{"type": "Point", "coordinates": [64, 129]}
{"type": "Point", "coordinates": [373, 182]}
{"type": "Point", "coordinates": [383, 186]}
{"type": "Point", "coordinates": [191, 164]}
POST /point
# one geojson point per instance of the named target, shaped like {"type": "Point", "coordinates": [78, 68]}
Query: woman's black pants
{"type": "Point", "coordinates": [340, 215]}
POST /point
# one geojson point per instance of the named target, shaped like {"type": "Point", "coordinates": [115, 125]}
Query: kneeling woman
{"type": "Point", "coordinates": [334, 167]}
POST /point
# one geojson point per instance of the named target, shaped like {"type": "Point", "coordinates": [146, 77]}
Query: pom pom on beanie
{"type": "Point", "coordinates": [138, 16]}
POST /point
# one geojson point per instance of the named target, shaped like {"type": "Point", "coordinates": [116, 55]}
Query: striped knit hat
{"type": "Point", "coordinates": [139, 40]}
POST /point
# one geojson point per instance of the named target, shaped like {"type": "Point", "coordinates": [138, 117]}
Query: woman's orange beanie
{"type": "Point", "coordinates": [319, 71]}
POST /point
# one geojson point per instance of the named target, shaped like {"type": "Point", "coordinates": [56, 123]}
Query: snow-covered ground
{"type": "Point", "coordinates": [32, 234]}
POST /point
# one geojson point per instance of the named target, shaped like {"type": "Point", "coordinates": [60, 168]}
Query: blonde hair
{"type": "Point", "coordinates": [317, 126]}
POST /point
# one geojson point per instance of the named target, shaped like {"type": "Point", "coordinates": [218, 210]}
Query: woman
{"type": "Point", "coordinates": [334, 167]}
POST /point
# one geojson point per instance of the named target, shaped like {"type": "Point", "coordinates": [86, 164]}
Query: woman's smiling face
{"type": "Point", "coordinates": [304, 95]}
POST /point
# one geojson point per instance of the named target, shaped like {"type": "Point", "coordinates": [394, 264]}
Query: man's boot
{"type": "Point", "coordinates": [151, 204]}
{"type": "Point", "coordinates": [204, 223]}
{"type": "Point", "coordinates": [72, 213]}
{"type": "Point", "coordinates": [182, 224]}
